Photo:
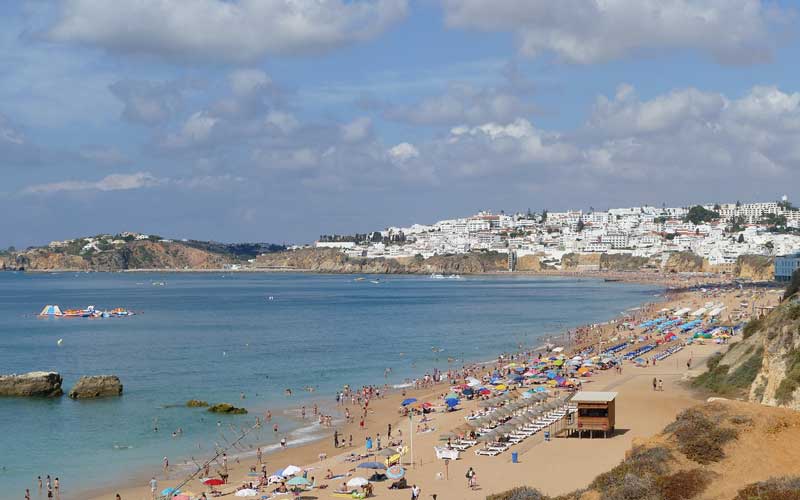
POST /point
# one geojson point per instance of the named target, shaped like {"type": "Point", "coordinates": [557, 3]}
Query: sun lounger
{"type": "Point", "coordinates": [487, 452]}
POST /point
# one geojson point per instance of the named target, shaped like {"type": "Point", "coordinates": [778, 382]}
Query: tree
{"type": "Point", "coordinates": [544, 215]}
{"type": "Point", "coordinates": [698, 215]}
{"type": "Point", "coordinates": [581, 225]}
{"type": "Point", "coordinates": [741, 239]}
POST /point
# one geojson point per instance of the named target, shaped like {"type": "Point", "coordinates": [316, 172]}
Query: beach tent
{"type": "Point", "coordinates": [51, 310]}
{"type": "Point", "coordinates": [357, 482]}
{"type": "Point", "coordinates": [247, 492]}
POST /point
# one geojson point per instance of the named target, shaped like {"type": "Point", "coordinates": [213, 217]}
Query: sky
{"type": "Point", "coordinates": [280, 120]}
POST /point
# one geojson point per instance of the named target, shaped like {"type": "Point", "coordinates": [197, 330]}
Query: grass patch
{"type": "Point", "coordinates": [752, 327]}
{"type": "Point", "coordinates": [743, 377]}
{"type": "Point", "coordinates": [784, 488]}
{"type": "Point", "coordinates": [700, 438]}
{"type": "Point", "coordinates": [783, 394]}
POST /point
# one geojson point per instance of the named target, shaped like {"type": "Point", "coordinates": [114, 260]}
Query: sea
{"type": "Point", "coordinates": [244, 338]}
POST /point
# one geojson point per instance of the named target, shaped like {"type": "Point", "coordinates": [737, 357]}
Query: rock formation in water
{"type": "Point", "coordinates": [96, 386]}
{"type": "Point", "coordinates": [33, 384]}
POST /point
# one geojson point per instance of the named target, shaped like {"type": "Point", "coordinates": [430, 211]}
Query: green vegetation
{"type": "Point", "coordinates": [227, 408]}
{"type": "Point", "coordinates": [698, 215]}
{"type": "Point", "coordinates": [783, 394]}
{"type": "Point", "coordinates": [196, 403]}
{"type": "Point", "coordinates": [720, 380]}
{"type": "Point", "coordinates": [700, 438]}
{"type": "Point", "coordinates": [782, 488]}
{"type": "Point", "coordinates": [752, 327]}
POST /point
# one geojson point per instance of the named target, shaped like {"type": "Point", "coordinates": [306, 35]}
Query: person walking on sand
{"type": "Point", "coordinates": [258, 455]}
{"type": "Point", "coordinates": [655, 383]}
{"type": "Point", "coordinates": [27, 494]}
{"type": "Point", "coordinates": [39, 478]}
{"type": "Point", "coordinates": [389, 434]}
{"type": "Point", "coordinates": [56, 485]}
{"type": "Point", "coordinates": [415, 491]}
{"type": "Point", "coordinates": [660, 385]}
{"type": "Point", "coordinates": [153, 486]}
{"type": "Point", "coordinates": [336, 438]}
{"type": "Point", "coordinates": [118, 497]}
{"type": "Point", "coordinates": [470, 474]}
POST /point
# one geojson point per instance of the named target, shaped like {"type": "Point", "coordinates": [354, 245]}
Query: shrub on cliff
{"type": "Point", "coordinates": [700, 438]}
{"type": "Point", "coordinates": [784, 488]}
{"type": "Point", "coordinates": [521, 493]}
{"type": "Point", "coordinates": [196, 403]}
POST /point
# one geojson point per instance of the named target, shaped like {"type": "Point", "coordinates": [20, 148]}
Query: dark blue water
{"type": "Point", "coordinates": [213, 336]}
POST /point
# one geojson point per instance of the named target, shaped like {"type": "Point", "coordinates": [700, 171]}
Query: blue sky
{"type": "Point", "coordinates": [278, 120]}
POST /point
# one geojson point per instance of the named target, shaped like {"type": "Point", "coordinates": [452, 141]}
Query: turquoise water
{"type": "Point", "coordinates": [213, 336]}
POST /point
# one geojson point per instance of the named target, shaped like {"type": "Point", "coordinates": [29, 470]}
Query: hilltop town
{"type": "Point", "coordinates": [717, 233]}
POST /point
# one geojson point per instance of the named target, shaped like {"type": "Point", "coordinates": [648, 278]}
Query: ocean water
{"type": "Point", "coordinates": [215, 336]}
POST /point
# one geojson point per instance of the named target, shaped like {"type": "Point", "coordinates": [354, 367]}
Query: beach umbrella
{"type": "Point", "coordinates": [486, 404]}
{"type": "Point", "coordinates": [484, 391]}
{"type": "Point", "coordinates": [446, 436]}
{"type": "Point", "coordinates": [476, 423]}
{"type": "Point", "coordinates": [408, 401]}
{"type": "Point", "coordinates": [451, 402]}
{"type": "Point", "coordinates": [298, 481]}
{"type": "Point", "coordinates": [253, 474]}
{"type": "Point", "coordinates": [387, 452]}
{"type": "Point", "coordinates": [246, 492]}
{"type": "Point", "coordinates": [501, 387]}
{"type": "Point", "coordinates": [213, 482]}
{"type": "Point", "coordinates": [290, 470]}
{"type": "Point", "coordinates": [371, 465]}
{"type": "Point", "coordinates": [489, 436]}
{"type": "Point", "coordinates": [357, 482]}
{"type": "Point", "coordinates": [169, 491]}
{"type": "Point", "coordinates": [451, 395]}
{"type": "Point", "coordinates": [395, 472]}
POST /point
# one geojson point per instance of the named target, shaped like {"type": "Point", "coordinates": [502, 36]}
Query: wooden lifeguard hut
{"type": "Point", "coordinates": [596, 412]}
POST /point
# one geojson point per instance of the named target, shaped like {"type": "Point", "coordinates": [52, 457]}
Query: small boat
{"type": "Point", "coordinates": [377, 282]}
{"type": "Point", "coordinates": [360, 278]}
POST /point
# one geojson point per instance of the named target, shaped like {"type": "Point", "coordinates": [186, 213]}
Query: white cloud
{"type": "Point", "coordinates": [588, 31]}
{"type": "Point", "coordinates": [403, 152]}
{"type": "Point", "coordinates": [9, 134]}
{"type": "Point", "coordinates": [246, 81]}
{"type": "Point", "coordinates": [464, 103]}
{"type": "Point", "coordinates": [285, 122]}
{"type": "Point", "coordinates": [224, 30]}
{"type": "Point", "coordinates": [148, 103]}
{"type": "Point", "coordinates": [356, 130]}
{"type": "Point", "coordinates": [113, 182]}
{"type": "Point", "coordinates": [196, 130]}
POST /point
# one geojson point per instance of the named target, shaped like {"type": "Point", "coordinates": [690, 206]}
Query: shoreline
{"type": "Point", "coordinates": [382, 413]}
{"type": "Point", "coordinates": [308, 449]}
{"type": "Point", "coordinates": [636, 277]}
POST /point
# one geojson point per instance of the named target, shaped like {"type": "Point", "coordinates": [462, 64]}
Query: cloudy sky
{"type": "Point", "coordinates": [278, 120]}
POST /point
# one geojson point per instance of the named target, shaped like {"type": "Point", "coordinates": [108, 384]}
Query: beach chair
{"type": "Point", "coordinates": [486, 452]}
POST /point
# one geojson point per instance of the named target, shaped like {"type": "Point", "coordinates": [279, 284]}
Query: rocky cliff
{"type": "Point", "coordinates": [326, 260]}
{"type": "Point", "coordinates": [96, 386]}
{"type": "Point", "coordinates": [142, 254]}
{"type": "Point", "coordinates": [765, 366]}
{"type": "Point", "coordinates": [33, 384]}
{"type": "Point", "coordinates": [683, 262]}
{"type": "Point", "coordinates": [755, 267]}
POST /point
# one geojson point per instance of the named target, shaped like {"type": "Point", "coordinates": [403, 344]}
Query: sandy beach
{"type": "Point", "coordinates": [556, 466]}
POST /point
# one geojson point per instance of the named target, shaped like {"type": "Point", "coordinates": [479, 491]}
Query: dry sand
{"type": "Point", "coordinates": [554, 467]}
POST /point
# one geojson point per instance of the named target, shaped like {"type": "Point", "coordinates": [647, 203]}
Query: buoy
{"type": "Point", "coordinates": [60, 341]}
